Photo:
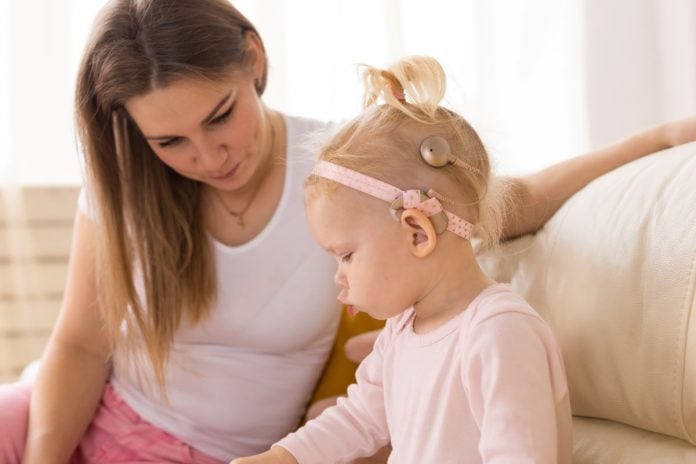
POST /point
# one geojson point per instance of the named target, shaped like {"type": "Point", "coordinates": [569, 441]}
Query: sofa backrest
{"type": "Point", "coordinates": [614, 273]}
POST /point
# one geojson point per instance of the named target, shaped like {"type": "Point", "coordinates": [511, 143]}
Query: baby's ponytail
{"type": "Point", "coordinates": [415, 85]}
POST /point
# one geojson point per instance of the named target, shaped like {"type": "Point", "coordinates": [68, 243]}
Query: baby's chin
{"type": "Point", "coordinates": [379, 314]}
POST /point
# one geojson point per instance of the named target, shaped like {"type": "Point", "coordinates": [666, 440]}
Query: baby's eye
{"type": "Point", "coordinates": [346, 258]}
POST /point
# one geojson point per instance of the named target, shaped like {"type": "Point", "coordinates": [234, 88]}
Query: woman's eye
{"type": "Point", "coordinates": [223, 117]}
{"type": "Point", "coordinates": [346, 258]}
{"type": "Point", "coordinates": [170, 142]}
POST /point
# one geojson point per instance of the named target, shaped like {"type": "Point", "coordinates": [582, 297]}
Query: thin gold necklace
{"type": "Point", "coordinates": [240, 214]}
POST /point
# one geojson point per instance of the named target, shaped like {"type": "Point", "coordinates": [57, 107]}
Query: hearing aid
{"type": "Point", "coordinates": [439, 220]}
{"type": "Point", "coordinates": [436, 152]}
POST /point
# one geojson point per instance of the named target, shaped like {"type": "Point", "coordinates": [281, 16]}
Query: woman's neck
{"type": "Point", "coordinates": [269, 188]}
{"type": "Point", "coordinates": [270, 155]}
{"type": "Point", "coordinates": [456, 281]}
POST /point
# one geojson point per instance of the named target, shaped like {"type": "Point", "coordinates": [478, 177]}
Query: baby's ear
{"type": "Point", "coordinates": [421, 230]}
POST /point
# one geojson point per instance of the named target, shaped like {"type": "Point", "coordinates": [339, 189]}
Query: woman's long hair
{"type": "Point", "coordinates": [154, 259]}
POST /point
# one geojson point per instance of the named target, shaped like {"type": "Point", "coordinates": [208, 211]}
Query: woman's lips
{"type": "Point", "coordinates": [228, 174]}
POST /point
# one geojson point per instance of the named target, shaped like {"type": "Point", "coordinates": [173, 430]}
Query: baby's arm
{"type": "Point", "coordinates": [356, 426]}
{"type": "Point", "coordinates": [537, 197]}
{"type": "Point", "coordinates": [513, 373]}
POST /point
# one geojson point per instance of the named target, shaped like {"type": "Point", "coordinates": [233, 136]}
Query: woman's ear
{"type": "Point", "coordinates": [255, 48]}
{"type": "Point", "coordinates": [423, 237]}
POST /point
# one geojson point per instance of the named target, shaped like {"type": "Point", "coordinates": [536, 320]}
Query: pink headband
{"type": "Point", "coordinates": [427, 204]}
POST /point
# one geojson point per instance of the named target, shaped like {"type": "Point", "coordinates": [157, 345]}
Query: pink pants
{"type": "Point", "coordinates": [116, 435]}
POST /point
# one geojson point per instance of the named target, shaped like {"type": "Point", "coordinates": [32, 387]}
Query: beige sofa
{"type": "Point", "coordinates": [614, 273]}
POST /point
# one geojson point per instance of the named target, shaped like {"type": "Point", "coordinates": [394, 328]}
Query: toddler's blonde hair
{"type": "Point", "coordinates": [401, 108]}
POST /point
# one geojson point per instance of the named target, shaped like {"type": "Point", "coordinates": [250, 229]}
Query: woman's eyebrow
{"type": "Point", "coordinates": [211, 115]}
{"type": "Point", "coordinates": [205, 121]}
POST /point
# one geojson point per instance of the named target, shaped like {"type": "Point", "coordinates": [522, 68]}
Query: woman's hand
{"type": "Point", "coordinates": [275, 455]}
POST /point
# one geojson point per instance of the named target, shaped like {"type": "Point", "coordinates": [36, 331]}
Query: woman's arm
{"type": "Point", "coordinates": [537, 197]}
{"type": "Point", "coordinates": [74, 366]}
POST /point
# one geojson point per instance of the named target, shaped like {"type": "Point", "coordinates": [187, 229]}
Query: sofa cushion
{"type": "Point", "coordinates": [614, 273]}
{"type": "Point", "coordinates": [599, 441]}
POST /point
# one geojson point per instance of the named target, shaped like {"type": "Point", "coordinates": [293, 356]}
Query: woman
{"type": "Point", "coordinates": [198, 314]}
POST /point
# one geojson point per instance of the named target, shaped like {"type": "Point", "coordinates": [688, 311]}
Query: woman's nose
{"type": "Point", "coordinates": [212, 157]}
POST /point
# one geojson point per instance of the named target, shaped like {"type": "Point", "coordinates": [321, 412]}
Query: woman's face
{"type": "Point", "coordinates": [213, 132]}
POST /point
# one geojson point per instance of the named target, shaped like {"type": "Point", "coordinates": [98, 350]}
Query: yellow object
{"type": "Point", "coordinates": [339, 371]}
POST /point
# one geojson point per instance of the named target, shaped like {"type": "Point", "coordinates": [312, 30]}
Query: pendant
{"type": "Point", "coordinates": [240, 222]}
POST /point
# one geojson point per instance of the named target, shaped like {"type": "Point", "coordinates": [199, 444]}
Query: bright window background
{"type": "Point", "coordinates": [40, 46]}
{"type": "Point", "coordinates": [513, 67]}
{"type": "Point", "coordinates": [541, 80]}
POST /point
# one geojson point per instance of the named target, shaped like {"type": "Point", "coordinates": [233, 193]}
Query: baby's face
{"type": "Point", "coordinates": [376, 270]}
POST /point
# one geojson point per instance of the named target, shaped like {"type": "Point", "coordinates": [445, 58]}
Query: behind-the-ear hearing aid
{"type": "Point", "coordinates": [439, 220]}
{"type": "Point", "coordinates": [435, 151]}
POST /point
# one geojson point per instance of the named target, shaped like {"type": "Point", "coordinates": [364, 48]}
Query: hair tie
{"type": "Point", "coordinates": [393, 84]}
{"type": "Point", "coordinates": [399, 95]}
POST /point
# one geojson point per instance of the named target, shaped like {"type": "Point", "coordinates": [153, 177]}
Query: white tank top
{"type": "Point", "coordinates": [240, 380]}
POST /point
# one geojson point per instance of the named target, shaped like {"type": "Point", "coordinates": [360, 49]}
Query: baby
{"type": "Point", "coordinates": [465, 371]}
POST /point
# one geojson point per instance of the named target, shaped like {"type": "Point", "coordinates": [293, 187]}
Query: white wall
{"type": "Point", "coordinates": [540, 79]}
{"type": "Point", "coordinates": [640, 64]}
{"type": "Point", "coordinates": [515, 69]}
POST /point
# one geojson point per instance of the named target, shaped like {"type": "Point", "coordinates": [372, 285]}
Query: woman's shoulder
{"type": "Point", "coordinates": [305, 136]}
{"type": "Point", "coordinates": [303, 126]}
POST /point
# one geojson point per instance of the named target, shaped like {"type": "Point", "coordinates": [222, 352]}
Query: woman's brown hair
{"type": "Point", "coordinates": [154, 258]}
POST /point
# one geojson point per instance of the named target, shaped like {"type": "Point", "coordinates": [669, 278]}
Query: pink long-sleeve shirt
{"type": "Point", "coordinates": [488, 386]}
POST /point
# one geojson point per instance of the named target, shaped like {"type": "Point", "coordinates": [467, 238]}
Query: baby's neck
{"type": "Point", "coordinates": [458, 279]}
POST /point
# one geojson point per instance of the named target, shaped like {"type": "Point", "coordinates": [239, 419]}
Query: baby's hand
{"type": "Point", "coordinates": [275, 455]}
{"type": "Point", "coordinates": [680, 131]}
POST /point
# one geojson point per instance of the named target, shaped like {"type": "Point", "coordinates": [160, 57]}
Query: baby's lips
{"type": "Point", "coordinates": [352, 310]}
